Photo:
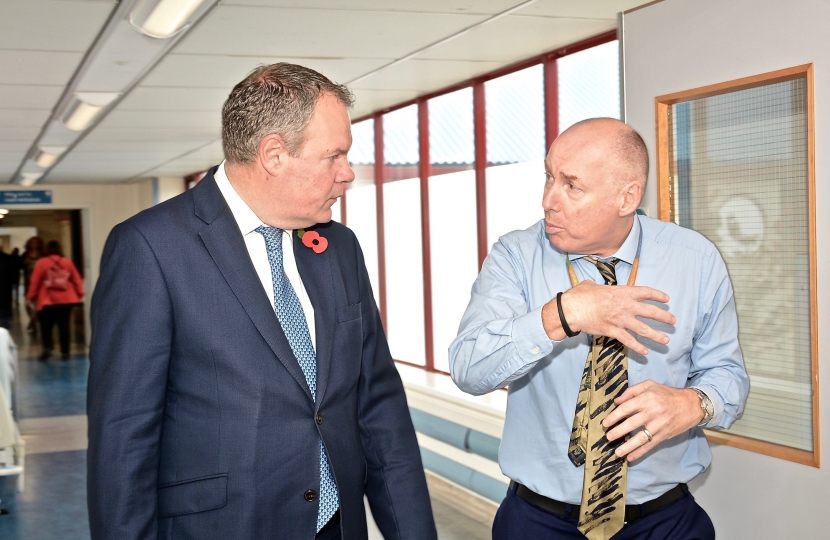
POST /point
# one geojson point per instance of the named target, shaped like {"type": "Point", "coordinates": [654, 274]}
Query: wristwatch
{"type": "Point", "coordinates": [705, 405]}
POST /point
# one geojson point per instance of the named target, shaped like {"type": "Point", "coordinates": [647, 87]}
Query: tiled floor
{"type": "Point", "coordinates": [52, 402]}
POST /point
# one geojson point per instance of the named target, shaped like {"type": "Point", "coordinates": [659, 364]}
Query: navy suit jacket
{"type": "Point", "coordinates": [201, 424]}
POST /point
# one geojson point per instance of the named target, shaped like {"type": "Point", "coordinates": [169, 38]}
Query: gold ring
{"type": "Point", "coordinates": [648, 434]}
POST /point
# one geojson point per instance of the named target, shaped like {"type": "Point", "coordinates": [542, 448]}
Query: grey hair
{"type": "Point", "coordinates": [275, 99]}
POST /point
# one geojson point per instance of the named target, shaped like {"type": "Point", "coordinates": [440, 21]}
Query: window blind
{"type": "Point", "coordinates": [739, 175]}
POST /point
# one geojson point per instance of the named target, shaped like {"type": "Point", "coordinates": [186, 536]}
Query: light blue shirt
{"type": "Point", "coordinates": [501, 342]}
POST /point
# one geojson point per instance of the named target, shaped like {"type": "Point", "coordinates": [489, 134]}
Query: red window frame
{"type": "Point", "coordinates": [551, 93]}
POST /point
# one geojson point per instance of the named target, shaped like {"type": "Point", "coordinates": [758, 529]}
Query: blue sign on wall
{"type": "Point", "coordinates": [25, 197]}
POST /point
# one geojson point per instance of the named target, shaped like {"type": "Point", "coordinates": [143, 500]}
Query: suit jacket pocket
{"type": "Point", "coordinates": [348, 313]}
{"type": "Point", "coordinates": [192, 496]}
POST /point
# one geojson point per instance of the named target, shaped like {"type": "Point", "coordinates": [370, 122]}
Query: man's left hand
{"type": "Point", "coordinates": [664, 411]}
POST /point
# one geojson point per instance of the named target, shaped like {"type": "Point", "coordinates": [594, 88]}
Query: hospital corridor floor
{"type": "Point", "coordinates": [52, 420]}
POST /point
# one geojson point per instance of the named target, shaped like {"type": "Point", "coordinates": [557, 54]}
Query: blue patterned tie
{"type": "Point", "coordinates": [292, 319]}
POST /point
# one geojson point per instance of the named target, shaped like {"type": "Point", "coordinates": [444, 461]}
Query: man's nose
{"type": "Point", "coordinates": [550, 199]}
{"type": "Point", "coordinates": [346, 174]}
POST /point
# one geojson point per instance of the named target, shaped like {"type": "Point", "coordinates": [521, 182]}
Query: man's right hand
{"type": "Point", "coordinates": [602, 310]}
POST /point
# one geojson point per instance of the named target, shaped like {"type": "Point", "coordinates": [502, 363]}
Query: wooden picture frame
{"type": "Point", "coordinates": [662, 104]}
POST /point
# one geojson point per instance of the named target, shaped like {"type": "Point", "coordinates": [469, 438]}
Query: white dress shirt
{"type": "Point", "coordinates": [248, 222]}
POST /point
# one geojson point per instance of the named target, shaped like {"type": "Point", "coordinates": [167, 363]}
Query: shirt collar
{"type": "Point", "coordinates": [246, 219]}
{"type": "Point", "coordinates": [628, 251]}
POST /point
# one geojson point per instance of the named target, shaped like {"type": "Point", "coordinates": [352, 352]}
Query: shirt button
{"type": "Point", "coordinates": [536, 350]}
{"type": "Point", "coordinates": [319, 418]}
{"type": "Point", "coordinates": [310, 495]}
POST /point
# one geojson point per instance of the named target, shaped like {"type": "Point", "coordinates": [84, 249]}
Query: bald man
{"type": "Point", "coordinates": [617, 339]}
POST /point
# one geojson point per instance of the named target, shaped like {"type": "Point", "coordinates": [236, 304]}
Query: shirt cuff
{"type": "Point", "coordinates": [717, 404]}
{"type": "Point", "coordinates": [529, 336]}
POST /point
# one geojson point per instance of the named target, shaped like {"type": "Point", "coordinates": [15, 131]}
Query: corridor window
{"type": "Point", "coordinates": [515, 151]}
{"type": "Point", "coordinates": [735, 165]}
{"type": "Point", "coordinates": [440, 178]}
{"type": "Point", "coordinates": [402, 223]}
{"type": "Point", "coordinates": [361, 207]}
{"type": "Point", "coordinates": [589, 84]}
{"type": "Point", "coordinates": [452, 215]}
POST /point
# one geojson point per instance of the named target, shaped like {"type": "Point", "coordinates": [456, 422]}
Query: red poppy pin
{"type": "Point", "coordinates": [313, 240]}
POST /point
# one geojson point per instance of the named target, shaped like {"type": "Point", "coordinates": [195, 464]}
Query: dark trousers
{"type": "Point", "coordinates": [682, 519]}
{"type": "Point", "coordinates": [48, 316]}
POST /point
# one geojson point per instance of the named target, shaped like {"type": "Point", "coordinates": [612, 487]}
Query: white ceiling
{"type": "Point", "coordinates": [169, 125]}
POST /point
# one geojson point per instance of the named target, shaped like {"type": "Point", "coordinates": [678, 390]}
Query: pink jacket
{"type": "Point", "coordinates": [46, 296]}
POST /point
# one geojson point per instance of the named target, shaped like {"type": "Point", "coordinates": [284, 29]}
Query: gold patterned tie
{"type": "Point", "coordinates": [604, 378]}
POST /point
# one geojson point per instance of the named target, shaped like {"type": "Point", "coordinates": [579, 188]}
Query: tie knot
{"type": "Point", "coordinates": [606, 269]}
{"type": "Point", "coordinates": [271, 234]}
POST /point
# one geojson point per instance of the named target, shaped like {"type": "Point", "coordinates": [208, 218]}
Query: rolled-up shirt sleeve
{"type": "Point", "coordinates": [501, 336]}
{"type": "Point", "coordinates": [717, 362]}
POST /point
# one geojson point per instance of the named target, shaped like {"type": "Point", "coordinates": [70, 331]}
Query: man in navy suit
{"type": "Point", "coordinates": [241, 385]}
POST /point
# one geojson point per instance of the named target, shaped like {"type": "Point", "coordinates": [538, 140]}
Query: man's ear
{"type": "Point", "coordinates": [631, 196]}
{"type": "Point", "coordinates": [272, 153]}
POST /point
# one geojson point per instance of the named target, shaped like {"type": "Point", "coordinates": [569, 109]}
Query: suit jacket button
{"type": "Point", "coordinates": [319, 418]}
{"type": "Point", "coordinates": [311, 495]}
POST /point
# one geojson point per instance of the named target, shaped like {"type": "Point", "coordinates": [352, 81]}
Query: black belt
{"type": "Point", "coordinates": [632, 511]}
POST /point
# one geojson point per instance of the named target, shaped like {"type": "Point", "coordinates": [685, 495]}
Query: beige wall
{"type": "Point", "coordinates": [677, 45]}
{"type": "Point", "coordinates": [169, 187]}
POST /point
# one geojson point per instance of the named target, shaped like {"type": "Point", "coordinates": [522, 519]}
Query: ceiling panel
{"type": "Point", "coordinates": [367, 101]}
{"type": "Point", "coordinates": [15, 146]}
{"type": "Point", "coordinates": [171, 123]}
{"type": "Point", "coordinates": [197, 160]}
{"type": "Point", "coordinates": [38, 67]}
{"type": "Point", "coordinates": [217, 71]}
{"type": "Point", "coordinates": [151, 158]}
{"type": "Point", "coordinates": [424, 75]}
{"type": "Point", "coordinates": [319, 33]}
{"type": "Point", "coordinates": [154, 134]}
{"type": "Point", "coordinates": [18, 134]}
{"type": "Point", "coordinates": [50, 25]}
{"type": "Point", "coordinates": [7, 169]}
{"type": "Point", "coordinates": [12, 118]}
{"type": "Point", "coordinates": [172, 119]}
{"type": "Point", "coordinates": [175, 99]}
{"type": "Point", "coordinates": [124, 147]}
{"type": "Point", "coordinates": [423, 6]}
{"type": "Point", "coordinates": [88, 176]}
{"type": "Point", "coordinates": [497, 40]}
{"type": "Point", "coordinates": [28, 96]}
{"type": "Point", "coordinates": [596, 9]}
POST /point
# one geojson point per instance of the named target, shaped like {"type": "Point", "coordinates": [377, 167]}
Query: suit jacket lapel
{"type": "Point", "coordinates": [227, 247]}
{"type": "Point", "coordinates": [316, 273]}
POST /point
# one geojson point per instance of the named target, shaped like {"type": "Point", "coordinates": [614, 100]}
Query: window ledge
{"type": "Point", "coordinates": [436, 394]}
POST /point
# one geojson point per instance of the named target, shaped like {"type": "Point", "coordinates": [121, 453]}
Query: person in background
{"type": "Point", "coordinates": [55, 288]}
{"type": "Point", "coordinates": [9, 270]}
{"type": "Point", "coordinates": [18, 263]}
{"type": "Point", "coordinates": [33, 253]}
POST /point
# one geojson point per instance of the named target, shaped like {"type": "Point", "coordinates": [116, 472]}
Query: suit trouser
{"type": "Point", "coordinates": [683, 519]}
{"type": "Point", "coordinates": [48, 316]}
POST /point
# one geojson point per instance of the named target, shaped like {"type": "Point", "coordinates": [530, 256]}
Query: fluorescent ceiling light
{"type": "Point", "coordinates": [169, 17]}
{"type": "Point", "coordinates": [48, 155]}
{"type": "Point", "coordinates": [45, 159]}
{"type": "Point", "coordinates": [88, 105]}
{"type": "Point", "coordinates": [29, 179]}
{"type": "Point", "coordinates": [82, 116]}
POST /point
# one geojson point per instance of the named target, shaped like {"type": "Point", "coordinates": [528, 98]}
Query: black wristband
{"type": "Point", "coordinates": [565, 327]}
